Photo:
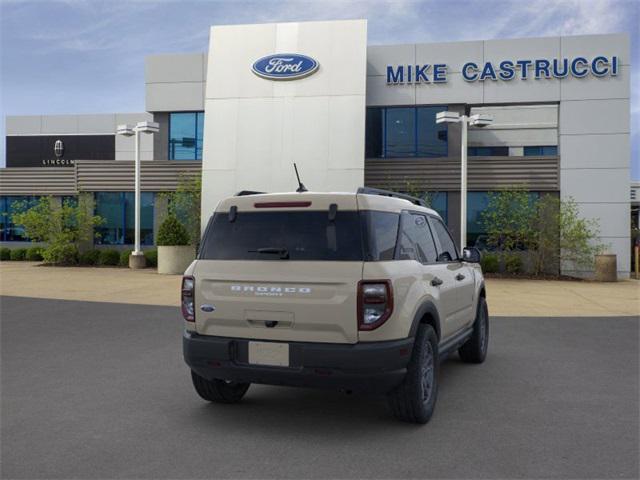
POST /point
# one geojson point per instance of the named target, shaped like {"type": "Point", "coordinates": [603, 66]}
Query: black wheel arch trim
{"type": "Point", "coordinates": [429, 308]}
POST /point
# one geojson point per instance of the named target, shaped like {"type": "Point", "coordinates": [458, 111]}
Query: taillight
{"type": "Point", "coordinates": [188, 310]}
{"type": "Point", "coordinates": [375, 303]}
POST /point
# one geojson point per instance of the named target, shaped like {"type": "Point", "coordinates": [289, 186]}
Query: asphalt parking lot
{"type": "Point", "coordinates": [97, 390]}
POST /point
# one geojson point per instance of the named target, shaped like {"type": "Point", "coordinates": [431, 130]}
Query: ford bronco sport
{"type": "Point", "coordinates": [357, 292]}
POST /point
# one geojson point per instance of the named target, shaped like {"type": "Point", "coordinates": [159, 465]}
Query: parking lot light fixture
{"type": "Point", "coordinates": [136, 260]}
{"type": "Point", "coordinates": [477, 120]}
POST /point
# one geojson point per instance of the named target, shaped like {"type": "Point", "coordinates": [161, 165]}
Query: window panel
{"type": "Point", "coordinates": [118, 211]}
{"type": "Point", "coordinates": [432, 137]}
{"type": "Point", "coordinates": [381, 232]}
{"type": "Point", "coordinates": [416, 242]}
{"type": "Point", "coordinates": [400, 128]}
{"type": "Point", "coordinates": [438, 202]}
{"type": "Point", "coordinates": [10, 205]}
{"type": "Point", "coordinates": [185, 135]}
{"type": "Point", "coordinates": [373, 133]}
{"type": "Point", "coordinates": [109, 207]}
{"type": "Point", "coordinates": [488, 151]}
{"type": "Point", "coordinates": [547, 150]}
{"type": "Point", "coordinates": [146, 218]}
{"type": "Point", "coordinates": [448, 251]}
{"type": "Point", "coordinates": [405, 132]}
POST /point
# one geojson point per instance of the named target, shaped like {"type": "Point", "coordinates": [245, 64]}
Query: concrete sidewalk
{"type": "Point", "coordinates": [506, 297]}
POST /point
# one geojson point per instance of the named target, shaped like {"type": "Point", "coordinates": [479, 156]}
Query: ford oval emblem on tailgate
{"type": "Point", "coordinates": [207, 308]}
{"type": "Point", "coordinates": [285, 66]}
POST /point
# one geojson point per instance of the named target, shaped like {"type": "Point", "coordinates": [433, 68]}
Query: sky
{"type": "Point", "coordinates": [87, 56]}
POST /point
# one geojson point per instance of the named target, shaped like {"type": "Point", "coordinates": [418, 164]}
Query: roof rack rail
{"type": "Point", "coordinates": [244, 193]}
{"type": "Point", "coordinates": [389, 193]}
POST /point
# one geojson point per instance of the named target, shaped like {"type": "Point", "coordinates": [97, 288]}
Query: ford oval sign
{"type": "Point", "coordinates": [285, 66]}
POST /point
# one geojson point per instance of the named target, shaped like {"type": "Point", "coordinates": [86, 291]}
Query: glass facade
{"type": "Point", "coordinates": [477, 202]}
{"type": "Point", "coordinates": [117, 211]}
{"type": "Point", "coordinates": [488, 151]}
{"type": "Point", "coordinates": [185, 135]}
{"type": "Point", "coordinates": [9, 231]}
{"type": "Point", "coordinates": [544, 151]}
{"type": "Point", "coordinates": [405, 132]}
{"type": "Point", "coordinates": [439, 202]}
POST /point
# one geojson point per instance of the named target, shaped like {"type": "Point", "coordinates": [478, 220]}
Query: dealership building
{"type": "Point", "coordinates": [349, 114]}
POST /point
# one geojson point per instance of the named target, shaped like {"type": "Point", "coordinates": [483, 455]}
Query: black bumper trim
{"type": "Point", "coordinates": [371, 366]}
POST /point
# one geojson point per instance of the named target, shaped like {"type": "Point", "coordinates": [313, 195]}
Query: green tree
{"type": "Point", "coordinates": [578, 236]}
{"type": "Point", "coordinates": [172, 232]}
{"type": "Point", "coordinates": [508, 219]}
{"type": "Point", "coordinates": [561, 236]}
{"type": "Point", "coordinates": [62, 227]}
{"type": "Point", "coordinates": [184, 204]}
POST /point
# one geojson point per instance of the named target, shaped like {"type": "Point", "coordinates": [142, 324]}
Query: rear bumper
{"type": "Point", "coordinates": [368, 367]}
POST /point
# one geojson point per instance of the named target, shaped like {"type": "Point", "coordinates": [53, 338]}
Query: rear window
{"type": "Point", "coordinates": [282, 235]}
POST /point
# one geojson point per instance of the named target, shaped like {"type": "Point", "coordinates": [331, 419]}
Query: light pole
{"type": "Point", "coordinates": [136, 259]}
{"type": "Point", "coordinates": [478, 120]}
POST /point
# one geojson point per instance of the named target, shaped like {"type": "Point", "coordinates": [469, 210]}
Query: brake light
{"type": "Point", "coordinates": [187, 301]}
{"type": "Point", "coordinates": [375, 303]}
{"type": "Point", "coordinates": [281, 204]}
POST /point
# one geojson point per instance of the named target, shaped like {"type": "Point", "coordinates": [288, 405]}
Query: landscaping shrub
{"type": "Point", "coordinates": [172, 232]}
{"type": "Point", "coordinates": [5, 253]}
{"type": "Point", "coordinates": [62, 227]}
{"type": "Point", "coordinates": [152, 257]}
{"type": "Point", "coordinates": [61, 254]}
{"type": "Point", "coordinates": [90, 257]}
{"type": "Point", "coordinates": [18, 254]}
{"type": "Point", "coordinates": [109, 257]}
{"type": "Point", "coordinates": [34, 254]}
{"type": "Point", "coordinates": [124, 258]}
{"type": "Point", "coordinates": [490, 263]}
{"type": "Point", "coordinates": [513, 264]}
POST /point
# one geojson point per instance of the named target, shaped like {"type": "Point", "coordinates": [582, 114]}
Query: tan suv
{"type": "Point", "coordinates": [358, 292]}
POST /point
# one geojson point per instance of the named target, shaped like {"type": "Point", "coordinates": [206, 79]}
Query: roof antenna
{"type": "Point", "coordinates": [301, 188]}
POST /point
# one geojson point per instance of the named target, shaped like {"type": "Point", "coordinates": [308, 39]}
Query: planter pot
{"type": "Point", "coordinates": [606, 268]}
{"type": "Point", "coordinates": [175, 260]}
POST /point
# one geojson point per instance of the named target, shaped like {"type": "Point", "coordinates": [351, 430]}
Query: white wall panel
{"type": "Point", "coordinates": [175, 68]}
{"type": "Point", "coordinates": [453, 54]}
{"type": "Point", "coordinates": [591, 87]}
{"type": "Point", "coordinates": [612, 218]}
{"type": "Point", "coordinates": [521, 49]}
{"type": "Point", "coordinates": [55, 124]}
{"type": "Point", "coordinates": [379, 56]}
{"type": "Point", "coordinates": [455, 90]}
{"type": "Point", "coordinates": [23, 124]}
{"type": "Point", "coordinates": [595, 151]}
{"type": "Point", "coordinates": [594, 117]}
{"type": "Point", "coordinates": [256, 128]}
{"type": "Point", "coordinates": [520, 91]}
{"type": "Point", "coordinates": [514, 138]}
{"type": "Point", "coordinates": [596, 185]}
{"type": "Point", "coordinates": [174, 97]}
{"type": "Point", "coordinates": [379, 93]}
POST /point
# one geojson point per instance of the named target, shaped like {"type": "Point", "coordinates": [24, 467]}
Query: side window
{"type": "Point", "coordinates": [381, 232]}
{"type": "Point", "coordinates": [416, 242]}
{"type": "Point", "coordinates": [447, 251]}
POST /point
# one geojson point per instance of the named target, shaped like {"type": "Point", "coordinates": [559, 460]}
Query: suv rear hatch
{"type": "Point", "coordinates": [281, 267]}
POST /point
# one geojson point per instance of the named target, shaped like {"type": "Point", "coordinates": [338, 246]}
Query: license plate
{"type": "Point", "coordinates": [269, 353]}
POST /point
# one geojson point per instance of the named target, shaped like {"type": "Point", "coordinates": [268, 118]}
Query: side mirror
{"type": "Point", "coordinates": [471, 255]}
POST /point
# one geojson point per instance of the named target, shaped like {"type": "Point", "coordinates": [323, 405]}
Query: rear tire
{"type": "Point", "coordinates": [475, 349]}
{"type": "Point", "coordinates": [414, 400]}
{"type": "Point", "coordinates": [219, 391]}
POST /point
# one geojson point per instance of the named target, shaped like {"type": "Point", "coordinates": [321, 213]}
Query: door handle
{"type": "Point", "coordinates": [436, 282]}
{"type": "Point", "coordinates": [459, 277]}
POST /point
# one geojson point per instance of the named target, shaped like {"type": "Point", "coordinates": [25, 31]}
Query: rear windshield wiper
{"type": "Point", "coordinates": [283, 252]}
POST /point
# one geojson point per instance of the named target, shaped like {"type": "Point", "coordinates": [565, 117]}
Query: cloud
{"type": "Point", "coordinates": [70, 56]}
